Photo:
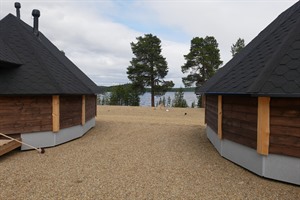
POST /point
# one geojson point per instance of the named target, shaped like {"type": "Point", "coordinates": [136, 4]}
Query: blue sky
{"type": "Point", "coordinates": [96, 34]}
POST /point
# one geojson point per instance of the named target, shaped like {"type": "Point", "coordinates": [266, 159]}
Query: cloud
{"type": "Point", "coordinates": [226, 20]}
{"type": "Point", "coordinates": [96, 35]}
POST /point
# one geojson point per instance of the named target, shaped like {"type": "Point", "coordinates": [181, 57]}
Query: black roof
{"type": "Point", "coordinates": [31, 65]}
{"type": "Point", "coordinates": [268, 66]}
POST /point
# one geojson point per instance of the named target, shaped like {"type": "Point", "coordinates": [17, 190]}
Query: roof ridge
{"type": "Point", "coordinates": [269, 66]}
{"type": "Point", "coordinates": [66, 67]}
{"type": "Point", "coordinates": [250, 46]}
{"type": "Point", "coordinates": [240, 73]}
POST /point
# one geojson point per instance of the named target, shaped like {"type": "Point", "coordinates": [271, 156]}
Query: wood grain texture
{"type": "Point", "coordinates": [285, 126]}
{"type": "Point", "coordinates": [220, 116]}
{"type": "Point", "coordinates": [70, 110]}
{"type": "Point", "coordinates": [211, 112]}
{"type": "Point", "coordinates": [83, 110]}
{"type": "Point", "coordinates": [25, 114]}
{"type": "Point", "coordinates": [239, 120]}
{"type": "Point", "coordinates": [55, 113]}
{"type": "Point", "coordinates": [90, 106]}
{"type": "Point", "coordinates": [263, 125]}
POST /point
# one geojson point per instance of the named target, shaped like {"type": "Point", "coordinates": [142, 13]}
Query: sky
{"type": "Point", "coordinates": [96, 34]}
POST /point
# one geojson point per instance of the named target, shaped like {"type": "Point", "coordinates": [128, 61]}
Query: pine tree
{"type": "Point", "coordinates": [237, 47]}
{"type": "Point", "coordinates": [148, 68]}
{"type": "Point", "coordinates": [202, 61]}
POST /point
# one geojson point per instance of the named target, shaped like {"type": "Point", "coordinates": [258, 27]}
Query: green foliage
{"type": "Point", "coordinates": [148, 67]}
{"type": "Point", "coordinates": [124, 95]}
{"type": "Point", "coordinates": [202, 62]}
{"type": "Point", "coordinates": [237, 47]}
{"type": "Point", "coordinates": [104, 100]}
{"type": "Point", "coordinates": [162, 101]}
{"type": "Point", "coordinates": [199, 104]}
{"type": "Point", "coordinates": [193, 104]}
{"type": "Point", "coordinates": [169, 101]}
{"type": "Point", "coordinates": [179, 100]}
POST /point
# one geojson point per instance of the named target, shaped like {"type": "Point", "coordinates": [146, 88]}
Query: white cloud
{"type": "Point", "coordinates": [96, 35]}
{"type": "Point", "coordinates": [226, 20]}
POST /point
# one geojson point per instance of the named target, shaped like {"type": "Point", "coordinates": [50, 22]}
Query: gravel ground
{"type": "Point", "coordinates": [136, 153]}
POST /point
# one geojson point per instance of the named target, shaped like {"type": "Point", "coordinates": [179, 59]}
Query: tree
{"type": "Point", "coordinates": [179, 100]}
{"type": "Point", "coordinates": [202, 62]}
{"type": "Point", "coordinates": [148, 67]}
{"type": "Point", "coordinates": [124, 95]}
{"type": "Point", "coordinates": [237, 47]}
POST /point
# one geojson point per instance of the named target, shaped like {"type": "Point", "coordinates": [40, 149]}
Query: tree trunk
{"type": "Point", "coordinates": [152, 91]}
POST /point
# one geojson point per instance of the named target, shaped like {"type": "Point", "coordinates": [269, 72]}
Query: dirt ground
{"type": "Point", "coordinates": [136, 153]}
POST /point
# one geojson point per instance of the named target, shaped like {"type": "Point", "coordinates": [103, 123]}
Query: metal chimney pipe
{"type": "Point", "coordinates": [18, 6]}
{"type": "Point", "coordinates": [36, 15]}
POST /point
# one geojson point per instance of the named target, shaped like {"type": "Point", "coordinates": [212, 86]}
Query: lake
{"type": "Point", "coordinates": [190, 97]}
{"type": "Point", "coordinates": [145, 99]}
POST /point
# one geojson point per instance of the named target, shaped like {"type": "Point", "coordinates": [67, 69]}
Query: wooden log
{"type": "Point", "coordinates": [263, 125]}
{"type": "Point", "coordinates": [220, 116]}
{"type": "Point", "coordinates": [55, 113]}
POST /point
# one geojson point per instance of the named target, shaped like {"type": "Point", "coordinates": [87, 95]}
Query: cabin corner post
{"type": "Point", "coordinates": [220, 117]}
{"type": "Point", "coordinates": [83, 110]}
{"type": "Point", "coordinates": [55, 113]}
{"type": "Point", "coordinates": [263, 125]}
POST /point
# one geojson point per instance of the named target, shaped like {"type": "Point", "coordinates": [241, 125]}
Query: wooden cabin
{"type": "Point", "coordinates": [252, 106]}
{"type": "Point", "coordinates": [44, 98]}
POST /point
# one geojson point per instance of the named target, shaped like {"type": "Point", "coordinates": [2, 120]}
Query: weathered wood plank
{"type": "Point", "coordinates": [238, 139]}
{"type": "Point", "coordinates": [8, 146]}
{"type": "Point", "coordinates": [24, 114]}
{"type": "Point", "coordinates": [220, 117]}
{"type": "Point", "coordinates": [285, 150]}
{"type": "Point", "coordinates": [284, 131]}
{"type": "Point", "coordinates": [285, 102]}
{"type": "Point", "coordinates": [70, 111]}
{"type": "Point", "coordinates": [285, 121]}
{"type": "Point", "coordinates": [91, 107]}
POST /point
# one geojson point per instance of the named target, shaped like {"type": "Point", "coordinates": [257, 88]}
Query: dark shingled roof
{"type": "Point", "coordinates": [31, 65]}
{"type": "Point", "coordinates": [268, 66]}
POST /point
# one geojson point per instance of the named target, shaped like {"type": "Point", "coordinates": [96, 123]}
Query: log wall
{"type": "Point", "coordinates": [90, 106]}
{"type": "Point", "coordinates": [285, 126]}
{"type": "Point", "coordinates": [25, 114]}
{"type": "Point", "coordinates": [70, 111]}
{"type": "Point", "coordinates": [211, 112]}
{"type": "Point", "coordinates": [240, 120]}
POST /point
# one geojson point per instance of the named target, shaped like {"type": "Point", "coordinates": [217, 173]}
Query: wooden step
{"type": "Point", "coordinates": [8, 145]}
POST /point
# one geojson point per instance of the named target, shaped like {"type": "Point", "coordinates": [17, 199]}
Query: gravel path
{"type": "Point", "coordinates": [135, 153]}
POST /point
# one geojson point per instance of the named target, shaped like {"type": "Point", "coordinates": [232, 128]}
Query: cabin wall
{"type": "Point", "coordinates": [211, 112]}
{"type": "Point", "coordinates": [90, 107]}
{"type": "Point", "coordinates": [239, 122]}
{"type": "Point", "coordinates": [285, 126]}
{"type": "Point", "coordinates": [25, 114]}
{"type": "Point", "coordinates": [70, 110]}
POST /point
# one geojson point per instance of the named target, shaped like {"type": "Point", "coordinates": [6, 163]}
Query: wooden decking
{"type": "Point", "coordinates": [8, 145]}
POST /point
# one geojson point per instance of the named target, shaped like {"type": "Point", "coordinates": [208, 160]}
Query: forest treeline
{"type": "Point", "coordinates": [105, 89]}
{"type": "Point", "coordinates": [148, 68]}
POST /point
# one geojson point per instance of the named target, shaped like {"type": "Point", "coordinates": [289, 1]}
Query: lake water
{"type": "Point", "coordinates": [145, 99]}
{"type": "Point", "coordinates": [190, 97]}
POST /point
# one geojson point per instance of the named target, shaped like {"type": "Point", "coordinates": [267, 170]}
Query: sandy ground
{"type": "Point", "coordinates": [135, 153]}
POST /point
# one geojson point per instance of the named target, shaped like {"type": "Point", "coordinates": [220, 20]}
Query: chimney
{"type": "Point", "coordinates": [18, 6]}
{"type": "Point", "coordinates": [36, 15]}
